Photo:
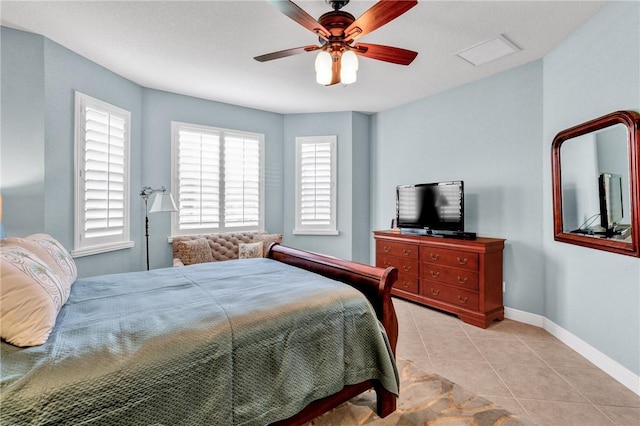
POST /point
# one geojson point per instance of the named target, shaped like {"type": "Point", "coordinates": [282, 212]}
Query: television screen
{"type": "Point", "coordinates": [435, 206]}
{"type": "Point", "coordinates": [610, 191]}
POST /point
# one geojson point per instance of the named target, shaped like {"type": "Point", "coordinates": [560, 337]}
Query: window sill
{"type": "Point", "coordinates": [315, 232]}
{"type": "Point", "coordinates": [102, 248]}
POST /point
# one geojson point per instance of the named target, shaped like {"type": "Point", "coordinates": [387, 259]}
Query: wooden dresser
{"type": "Point", "coordinates": [463, 277]}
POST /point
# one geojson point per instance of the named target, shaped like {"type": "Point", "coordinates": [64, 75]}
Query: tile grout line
{"type": "Point", "coordinates": [424, 347]}
{"type": "Point", "coordinates": [565, 380]}
{"type": "Point", "coordinates": [497, 374]}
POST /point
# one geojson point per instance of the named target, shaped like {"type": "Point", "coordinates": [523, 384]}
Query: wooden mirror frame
{"type": "Point", "coordinates": [631, 120]}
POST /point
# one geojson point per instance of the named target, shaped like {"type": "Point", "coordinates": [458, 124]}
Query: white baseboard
{"type": "Point", "coordinates": [620, 373]}
{"type": "Point", "coordinates": [525, 317]}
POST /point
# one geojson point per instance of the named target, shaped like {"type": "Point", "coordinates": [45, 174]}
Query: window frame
{"type": "Point", "coordinates": [176, 126]}
{"type": "Point", "coordinates": [332, 227]}
{"type": "Point", "coordinates": [82, 245]}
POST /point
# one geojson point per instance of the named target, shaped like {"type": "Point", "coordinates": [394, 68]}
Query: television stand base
{"type": "Point", "coordinates": [439, 233]}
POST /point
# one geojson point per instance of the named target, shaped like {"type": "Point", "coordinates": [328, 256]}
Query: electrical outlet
{"type": "Point", "coordinates": [504, 287]}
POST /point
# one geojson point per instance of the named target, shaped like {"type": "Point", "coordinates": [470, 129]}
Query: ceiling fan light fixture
{"type": "Point", "coordinates": [337, 62]}
{"type": "Point", "coordinates": [348, 67]}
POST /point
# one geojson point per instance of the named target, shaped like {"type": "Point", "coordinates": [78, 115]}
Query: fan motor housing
{"type": "Point", "coordinates": [336, 22]}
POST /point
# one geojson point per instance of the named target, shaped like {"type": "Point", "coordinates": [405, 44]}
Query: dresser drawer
{"type": "Point", "coordinates": [459, 277]}
{"type": "Point", "coordinates": [405, 266]}
{"type": "Point", "coordinates": [407, 283]}
{"type": "Point", "coordinates": [451, 295]}
{"type": "Point", "coordinates": [405, 251]}
{"type": "Point", "coordinates": [445, 257]}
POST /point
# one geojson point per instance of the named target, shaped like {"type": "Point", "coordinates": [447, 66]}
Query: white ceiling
{"type": "Point", "coordinates": [206, 48]}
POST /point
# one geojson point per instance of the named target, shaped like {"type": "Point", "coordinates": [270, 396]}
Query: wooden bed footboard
{"type": "Point", "coordinates": [375, 283]}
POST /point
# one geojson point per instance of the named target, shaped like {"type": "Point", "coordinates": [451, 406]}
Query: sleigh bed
{"type": "Point", "coordinates": [279, 340]}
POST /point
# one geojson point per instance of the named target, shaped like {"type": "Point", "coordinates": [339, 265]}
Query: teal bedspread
{"type": "Point", "coordinates": [244, 342]}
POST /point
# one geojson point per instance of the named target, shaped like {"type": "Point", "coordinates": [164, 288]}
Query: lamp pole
{"type": "Point", "coordinates": [145, 193]}
{"type": "Point", "coordinates": [146, 229]}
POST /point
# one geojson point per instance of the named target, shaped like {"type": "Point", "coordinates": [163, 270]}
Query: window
{"type": "Point", "coordinates": [101, 177]}
{"type": "Point", "coordinates": [218, 180]}
{"type": "Point", "coordinates": [316, 185]}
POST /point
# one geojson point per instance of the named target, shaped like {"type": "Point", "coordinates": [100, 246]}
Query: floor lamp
{"type": "Point", "coordinates": [163, 202]}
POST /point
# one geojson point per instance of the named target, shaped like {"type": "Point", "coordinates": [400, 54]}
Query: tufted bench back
{"type": "Point", "coordinates": [224, 246]}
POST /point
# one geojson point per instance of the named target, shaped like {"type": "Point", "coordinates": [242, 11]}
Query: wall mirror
{"type": "Point", "coordinates": [596, 189]}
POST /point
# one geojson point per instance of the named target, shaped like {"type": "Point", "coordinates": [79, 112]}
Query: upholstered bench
{"type": "Point", "coordinates": [190, 249]}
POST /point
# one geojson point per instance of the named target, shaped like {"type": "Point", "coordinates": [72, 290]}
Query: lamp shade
{"type": "Point", "coordinates": [348, 67]}
{"type": "Point", "coordinates": [163, 202]}
{"type": "Point", "coordinates": [324, 64]}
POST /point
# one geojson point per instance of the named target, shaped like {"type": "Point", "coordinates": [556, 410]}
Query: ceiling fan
{"type": "Point", "coordinates": [337, 30]}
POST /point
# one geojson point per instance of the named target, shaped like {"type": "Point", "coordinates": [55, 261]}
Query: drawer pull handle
{"type": "Point", "coordinates": [405, 284]}
{"type": "Point", "coordinates": [435, 292]}
{"type": "Point", "coordinates": [462, 261]}
{"type": "Point", "coordinates": [434, 256]}
{"type": "Point", "coordinates": [435, 274]}
{"type": "Point", "coordinates": [386, 249]}
{"type": "Point", "coordinates": [406, 252]}
{"type": "Point", "coordinates": [387, 263]}
{"type": "Point", "coordinates": [462, 280]}
{"type": "Point", "coordinates": [406, 268]}
{"type": "Point", "coordinates": [462, 299]}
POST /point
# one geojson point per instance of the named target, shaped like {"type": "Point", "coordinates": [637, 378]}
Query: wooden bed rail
{"type": "Point", "coordinates": [375, 283]}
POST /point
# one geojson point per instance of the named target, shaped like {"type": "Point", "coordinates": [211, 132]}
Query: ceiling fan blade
{"type": "Point", "coordinates": [296, 13]}
{"type": "Point", "coordinates": [395, 55]}
{"type": "Point", "coordinates": [379, 14]}
{"type": "Point", "coordinates": [285, 53]}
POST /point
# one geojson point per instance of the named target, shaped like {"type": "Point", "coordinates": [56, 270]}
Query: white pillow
{"type": "Point", "coordinates": [50, 251]}
{"type": "Point", "coordinates": [31, 295]}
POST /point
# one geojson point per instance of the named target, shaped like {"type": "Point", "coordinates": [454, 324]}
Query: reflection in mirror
{"type": "Point", "coordinates": [595, 184]}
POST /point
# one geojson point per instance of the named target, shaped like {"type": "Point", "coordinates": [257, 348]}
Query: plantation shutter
{"type": "Point", "coordinates": [198, 179]}
{"type": "Point", "coordinates": [242, 180]}
{"type": "Point", "coordinates": [104, 174]}
{"type": "Point", "coordinates": [102, 177]}
{"type": "Point", "coordinates": [217, 178]}
{"type": "Point", "coordinates": [316, 190]}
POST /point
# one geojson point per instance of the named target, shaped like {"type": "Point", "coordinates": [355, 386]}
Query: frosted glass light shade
{"type": "Point", "coordinates": [347, 76]}
{"type": "Point", "coordinates": [348, 67]}
{"type": "Point", "coordinates": [163, 203]}
{"type": "Point", "coordinates": [323, 67]}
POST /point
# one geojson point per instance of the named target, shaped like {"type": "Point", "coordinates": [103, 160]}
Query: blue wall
{"type": "Point", "coordinates": [486, 134]}
{"type": "Point", "coordinates": [23, 131]}
{"type": "Point", "coordinates": [593, 294]}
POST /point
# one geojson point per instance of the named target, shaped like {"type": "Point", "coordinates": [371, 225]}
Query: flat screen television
{"type": "Point", "coordinates": [434, 206]}
{"type": "Point", "coordinates": [610, 194]}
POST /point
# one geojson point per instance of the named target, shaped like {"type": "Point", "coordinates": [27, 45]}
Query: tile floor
{"type": "Point", "coordinates": [520, 367]}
